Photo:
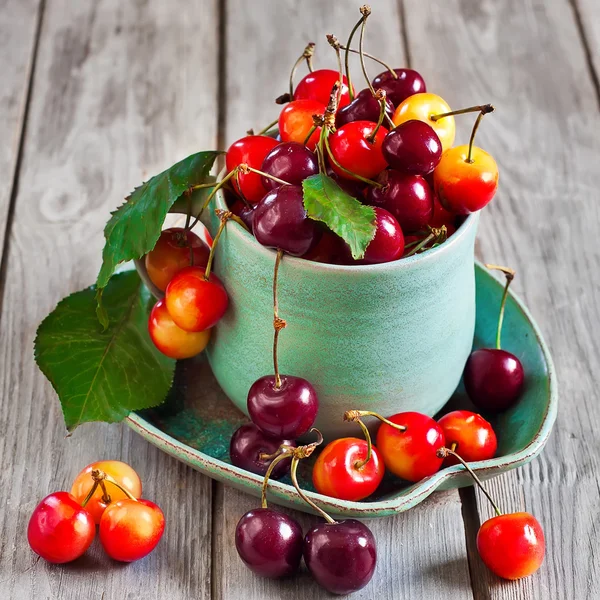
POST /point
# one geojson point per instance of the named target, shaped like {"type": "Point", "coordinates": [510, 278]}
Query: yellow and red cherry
{"type": "Point", "coordinates": [353, 149]}
{"type": "Point", "coordinates": [123, 474]}
{"type": "Point", "coordinates": [176, 249]}
{"type": "Point", "coordinates": [317, 86]}
{"type": "Point", "coordinates": [422, 107]}
{"type": "Point", "coordinates": [131, 529]}
{"type": "Point", "coordinates": [406, 83]}
{"type": "Point", "coordinates": [60, 529]}
{"type": "Point", "coordinates": [250, 150]}
{"type": "Point", "coordinates": [296, 122]}
{"type": "Point", "coordinates": [194, 302]}
{"type": "Point", "coordinates": [170, 339]}
{"type": "Point", "coordinates": [388, 243]}
{"type": "Point", "coordinates": [469, 435]}
{"type": "Point", "coordinates": [512, 545]}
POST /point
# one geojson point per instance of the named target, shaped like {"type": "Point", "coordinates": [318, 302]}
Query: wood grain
{"type": "Point", "coordinates": [121, 91]}
{"type": "Point", "coordinates": [527, 58]}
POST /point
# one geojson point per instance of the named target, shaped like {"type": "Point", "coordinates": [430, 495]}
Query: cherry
{"type": "Point", "coordinates": [176, 249]}
{"type": "Point", "coordinates": [412, 147]}
{"type": "Point", "coordinates": [296, 122]}
{"type": "Point", "coordinates": [317, 86]}
{"type": "Point", "coordinates": [60, 529]}
{"type": "Point", "coordinates": [330, 248]}
{"type": "Point", "coordinates": [280, 221]}
{"type": "Point", "coordinates": [365, 107]}
{"type": "Point", "coordinates": [388, 243]}
{"type": "Point", "coordinates": [170, 339]}
{"type": "Point", "coordinates": [130, 529]}
{"type": "Point", "coordinates": [195, 303]}
{"type": "Point", "coordinates": [244, 212]}
{"type": "Point", "coordinates": [355, 152]}
{"type": "Point", "coordinates": [441, 216]}
{"type": "Point", "coordinates": [423, 107]}
{"type": "Point", "coordinates": [341, 556]}
{"type": "Point", "coordinates": [409, 82]}
{"type": "Point", "coordinates": [120, 471]}
{"type": "Point", "coordinates": [407, 197]}
{"type": "Point", "coordinates": [469, 435]}
{"type": "Point", "coordinates": [291, 162]}
{"type": "Point", "coordinates": [493, 377]}
{"type": "Point", "coordinates": [250, 150]}
{"type": "Point", "coordinates": [354, 187]}
{"type": "Point", "coordinates": [247, 445]}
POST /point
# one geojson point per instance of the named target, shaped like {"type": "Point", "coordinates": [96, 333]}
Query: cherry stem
{"type": "Point", "coordinates": [347, 57]}
{"type": "Point", "coordinates": [265, 129]}
{"type": "Point", "coordinates": [359, 464]}
{"type": "Point", "coordinates": [510, 275]}
{"type": "Point", "coordinates": [444, 452]}
{"type": "Point", "coordinates": [311, 131]}
{"type": "Point", "coordinates": [224, 216]}
{"type": "Point", "coordinates": [337, 164]}
{"type": "Point", "coordinates": [488, 108]}
{"type": "Point", "coordinates": [436, 234]}
{"type": "Point", "coordinates": [365, 11]}
{"type": "Point", "coordinates": [217, 187]}
{"type": "Point", "coordinates": [100, 477]}
{"type": "Point", "coordinates": [278, 324]}
{"type": "Point", "coordinates": [105, 495]}
{"type": "Point", "coordinates": [354, 415]}
{"type": "Point", "coordinates": [380, 95]}
{"type": "Point", "coordinates": [374, 58]}
{"type": "Point", "coordinates": [90, 494]}
{"type": "Point", "coordinates": [307, 55]}
{"type": "Point", "coordinates": [279, 456]}
{"type": "Point", "coordinates": [481, 108]}
{"type": "Point", "coordinates": [336, 46]}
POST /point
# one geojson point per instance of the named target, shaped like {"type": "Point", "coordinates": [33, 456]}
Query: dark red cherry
{"type": "Point", "coordinates": [409, 82]}
{"type": "Point", "coordinates": [363, 108]}
{"type": "Point", "coordinates": [493, 379]}
{"type": "Point", "coordinates": [341, 556]}
{"type": "Point", "coordinates": [244, 212]}
{"type": "Point", "coordinates": [318, 85]}
{"type": "Point", "coordinates": [269, 542]}
{"type": "Point", "coordinates": [388, 243]}
{"type": "Point", "coordinates": [407, 197]}
{"type": "Point", "coordinates": [412, 147]}
{"type": "Point", "coordinates": [287, 411]}
{"type": "Point", "coordinates": [291, 162]}
{"type": "Point", "coordinates": [280, 221]}
{"type": "Point", "coordinates": [330, 249]}
{"type": "Point", "coordinates": [248, 443]}
{"type": "Point", "coordinates": [350, 186]}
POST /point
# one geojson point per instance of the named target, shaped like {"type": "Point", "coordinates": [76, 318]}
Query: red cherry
{"type": "Point", "coordinates": [388, 243]}
{"type": "Point", "coordinates": [341, 472]}
{"type": "Point", "coordinates": [60, 529]}
{"type": "Point", "coordinates": [512, 545]}
{"type": "Point", "coordinates": [194, 303]}
{"type": "Point", "coordinates": [353, 151]}
{"type": "Point", "coordinates": [131, 529]}
{"type": "Point", "coordinates": [441, 216]}
{"type": "Point", "coordinates": [472, 435]}
{"type": "Point", "coordinates": [318, 85]}
{"type": "Point", "coordinates": [296, 121]}
{"type": "Point", "coordinates": [250, 150]}
{"type": "Point", "coordinates": [398, 89]}
{"type": "Point", "coordinates": [411, 454]}
{"type": "Point", "coordinates": [330, 249]}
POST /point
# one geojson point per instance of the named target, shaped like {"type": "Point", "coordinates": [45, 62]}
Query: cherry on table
{"type": "Point", "coordinates": [365, 107]}
{"type": "Point", "coordinates": [296, 122]}
{"type": "Point", "coordinates": [318, 84]}
{"type": "Point", "coordinates": [406, 83]}
{"type": "Point", "coordinates": [469, 435]}
{"type": "Point", "coordinates": [388, 243]}
{"type": "Point", "coordinates": [290, 161]}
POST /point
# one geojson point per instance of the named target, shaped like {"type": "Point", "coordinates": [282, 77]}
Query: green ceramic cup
{"type": "Point", "coordinates": [387, 338]}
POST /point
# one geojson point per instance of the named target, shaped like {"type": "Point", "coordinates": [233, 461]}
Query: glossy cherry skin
{"type": "Point", "coordinates": [411, 454]}
{"type": "Point", "coordinates": [60, 530]}
{"type": "Point", "coordinates": [409, 82]}
{"type": "Point", "coordinates": [473, 435]}
{"type": "Point", "coordinates": [131, 529]}
{"type": "Point", "coordinates": [249, 442]}
{"type": "Point", "coordinates": [176, 249]}
{"type": "Point", "coordinates": [406, 197]}
{"type": "Point", "coordinates": [120, 471]}
{"type": "Point", "coordinates": [296, 121]}
{"type": "Point", "coordinates": [493, 379]}
{"type": "Point", "coordinates": [170, 339]}
{"type": "Point", "coordinates": [269, 542]}
{"type": "Point", "coordinates": [341, 556]}
{"type": "Point", "coordinates": [512, 545]}
{"type": "Point", "coordinates": [245, 213]}
{"type": "Point", "coordinates": [286, 412]}
{"type": "Point", "coordinates": [441, 216]}
{"type": "Point", "coordinates": [338, 471]}
{"type": "Point", "coordinates": [280, 221]}
{"type": "Point", "coordinates": [421, 107]}
{"type": "Point", "coordinates": [412, 147]}
{"type": "Point", "coordinates": [318, 85]}
{"type": "Point", "coordinates": [352, 150]}
{"type": "Point", "coordinates": [194, 303]}
{"type": "Point", "coordinates": [464, 187]}
{"type": "Point", "coordinates": [365, 107]}
{"type": "Point", "coordinates": [250, 150]}
{"type": "Point", "coordinates": [388, 243]}
{"type": "Point", "coordinates": [291, 162]}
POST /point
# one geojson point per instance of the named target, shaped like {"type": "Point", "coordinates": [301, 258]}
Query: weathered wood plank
{"type": "Point", "coordinates": [587, 16]}
{"type": "Point", "coordinates": [122, 90]}
{"type": "Point", "coordinates": [422, 553]}
{"type": "Point", "coordinates": [528, 59]}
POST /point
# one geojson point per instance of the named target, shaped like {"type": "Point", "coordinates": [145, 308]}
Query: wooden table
{"type": "Point", "coordinates": [97, 95]}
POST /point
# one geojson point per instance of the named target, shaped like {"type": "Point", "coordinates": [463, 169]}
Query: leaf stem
{"type": "Point", "coordinates": [278, 324]}
{"type": "Point", "coordinates": [510, 275]}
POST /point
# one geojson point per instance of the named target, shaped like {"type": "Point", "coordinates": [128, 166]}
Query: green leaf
{"type": "Point", "coordinates": [324, 200]}
{"type": "Point", "coordinates": [102, 375]}
{"type": "Point", "coordinates": [134, 228]}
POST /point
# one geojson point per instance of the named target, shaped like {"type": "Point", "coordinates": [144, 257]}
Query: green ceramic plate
{"type": "Point", "coordinates": [197, 421]}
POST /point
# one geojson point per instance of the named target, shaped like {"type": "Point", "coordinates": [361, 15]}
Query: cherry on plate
{"type": "Point", "coordinates": [469, 435]}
